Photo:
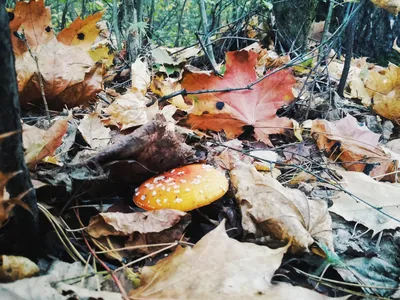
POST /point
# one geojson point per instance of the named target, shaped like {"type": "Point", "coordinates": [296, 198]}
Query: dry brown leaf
{"type": "Point", "coordinates": [219, 267]}
{"type": "Point", "coordinates": [7, 204]}
{"type": "Point", "coordinates": [105, 224]}
{"type": "Point", "coordinates": [162, 55]}
{"type": "Point", "coordinates": [356, 146]}
{"type": "Point", "coordinates": [81, 33]}
{"type": "Point", "coordinates": [68, 74]}
{"type": "Point", "coordinates": [35, 19]}
{"type": "Point", "coordinates": [150, 149]}
{"type": "Point", "coordinates": [170, 235]}
{"type": "Point", "coordinates": [385, 196]}
{"type": "Point", "coordinates": [285, 214]}
{"type": "Point", "coordinates": [130, 110]}
{"type": "Point", "coordinates": [13, 268]}
{"type": "Point", "coordinates": [44, 143]}
{"type": "Point", "coordinates": [93, 131]}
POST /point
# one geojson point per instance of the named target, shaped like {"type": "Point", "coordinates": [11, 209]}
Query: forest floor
{"type": "Point", "coordinates": [170, 178]}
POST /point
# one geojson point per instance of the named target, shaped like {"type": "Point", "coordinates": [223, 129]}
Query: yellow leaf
{"type": "Point", "coordinates": [81, 33]}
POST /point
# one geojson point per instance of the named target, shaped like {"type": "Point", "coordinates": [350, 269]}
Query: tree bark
{"type": "Point", "coordinates": [293, 22]}
{"type": "Point", "coordinates": [19, 235]}
{"type": "Point", "coordinates": [376, 29]}
{"type": "Point", "coordinates": [133, 15]}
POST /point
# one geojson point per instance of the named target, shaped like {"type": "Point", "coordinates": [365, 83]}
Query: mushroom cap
{"type": "Point", "coordinates": [185, 188]}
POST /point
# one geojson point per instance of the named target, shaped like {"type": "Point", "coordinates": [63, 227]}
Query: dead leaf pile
{"type": "Point", "coordinates": [69, 75]}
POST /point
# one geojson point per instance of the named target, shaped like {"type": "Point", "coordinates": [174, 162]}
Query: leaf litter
{"type": "Point", "coordinates": [304, 194]}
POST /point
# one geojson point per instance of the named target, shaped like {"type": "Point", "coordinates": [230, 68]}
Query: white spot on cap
{"type": "Point", "coordinates": [169, 179]}
{"type": "Point", "coordinates": [181, 172]}
{"type": "Point", "coordinates": [176, 186]}
{"type": "Point", "coordinates": [143, 197]}
{"type": "Point", "coordinates": [199, 176]}
{"type": "Point", "coordinates": [137, 194]}
{"type": "Point", "coordinates": [159, 178]}
{"type": "Point", "coordinates": [187, 190]}
{"type": "Point", "coordinates": [196, 181]}
{"type": "Point", "coordinates": [165, 200]}
{"type": "Point", "coordinates": [154, 193]}
{"type": "Point", "coordinates": [178, 200]}
{"type": "Point", "coordinates": [183, 180]}
{"type": "Point", "coordinates": [177, 191]}
{"type": "Point", "coordinates": [168, 189]}
{"type": "Point", "coordinates": [201, 192]}
{"type": "Point", "coordinates": [172, 171]}
{"type": "Point", "coordinates": [136, 190]}
{"type": "Point", "coordinates": [158, 201]}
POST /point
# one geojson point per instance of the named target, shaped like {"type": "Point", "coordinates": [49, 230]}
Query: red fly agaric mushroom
{"type": "Point", "coordinates": [184, 188]}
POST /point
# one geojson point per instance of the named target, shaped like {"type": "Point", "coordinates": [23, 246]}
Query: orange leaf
{"type": "Point", "coordinates": [35, 19]}
{"type": "Point", "coordinates": [81, 33]}
{"type": "Point", "coordinates": [256, 107]}
{"type": "Point", "coordinates": [355, 146]}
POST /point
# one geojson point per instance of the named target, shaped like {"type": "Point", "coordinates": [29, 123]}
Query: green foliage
{"type": "Point", "coordinates": [173, 22]}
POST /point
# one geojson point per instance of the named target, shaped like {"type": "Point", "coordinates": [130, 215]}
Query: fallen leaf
{"type": "Point", "coordinates": [370, 272]}
{"type": "Point", "coordinates": [230, 111]}
{"type": "Point", "coordinates": [162, 55]}
{"type": "Point", "coordinates": [105, 224]}
{"type": "Point", "coordinates": [226, 268]}
{"type": "Point", "coordinates": [169, 235]}
{"type": "Point", "coordinates": [150, 149]}
{"type": "Point", "coordinates": [384, 196]}
{"type": "Point", "coordinates": [35, 19]}
{"type": "Point", "coordinates": [384, 88]}
{"type": "Point", "coordinates": [7, 204]}
{"type": "Point", "coordinates": [165, 86]}
{"type": "Point", "coordinates": [140, 77]}
{"type": "Point", "coordinates": [101, 53]}
{"type": "Point", "coordinates": [14, 268]}
{"type": "Point", "coordinates": [130, 110]}
{"type": "Point", "coordinates": [93, 131]}
{"type": "Point", "coordinates": [392, 6]}
{"type": "Point", "coordinates": [81, 33]}
{"type": "Point", "coordinates": [47, 286]}
{"type": "Point", "coordinates": [286, 214]}
{"type": "Point", "coordinates": [355, 146]}
{"type": "Point", "coordinates": [68, 73]}
{"type": "Point", "coordinates": [45, 143]}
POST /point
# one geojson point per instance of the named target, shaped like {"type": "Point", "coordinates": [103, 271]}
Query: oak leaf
{"type": "Point", "coordinates": [256, 107]}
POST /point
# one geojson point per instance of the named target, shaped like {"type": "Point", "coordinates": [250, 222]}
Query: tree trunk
{"type": "Point", "coordinates": [19, 235]}
{"type": "Point", "coordinates": [376, 30]}
{"type": "Point", "coordinates": [293, 22]}
{"type": "Point", "coordinates": [133, 15]}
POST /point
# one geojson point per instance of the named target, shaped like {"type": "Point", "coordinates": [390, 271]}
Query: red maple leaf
{"type": "Point", "coordinates": [256, 107]}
